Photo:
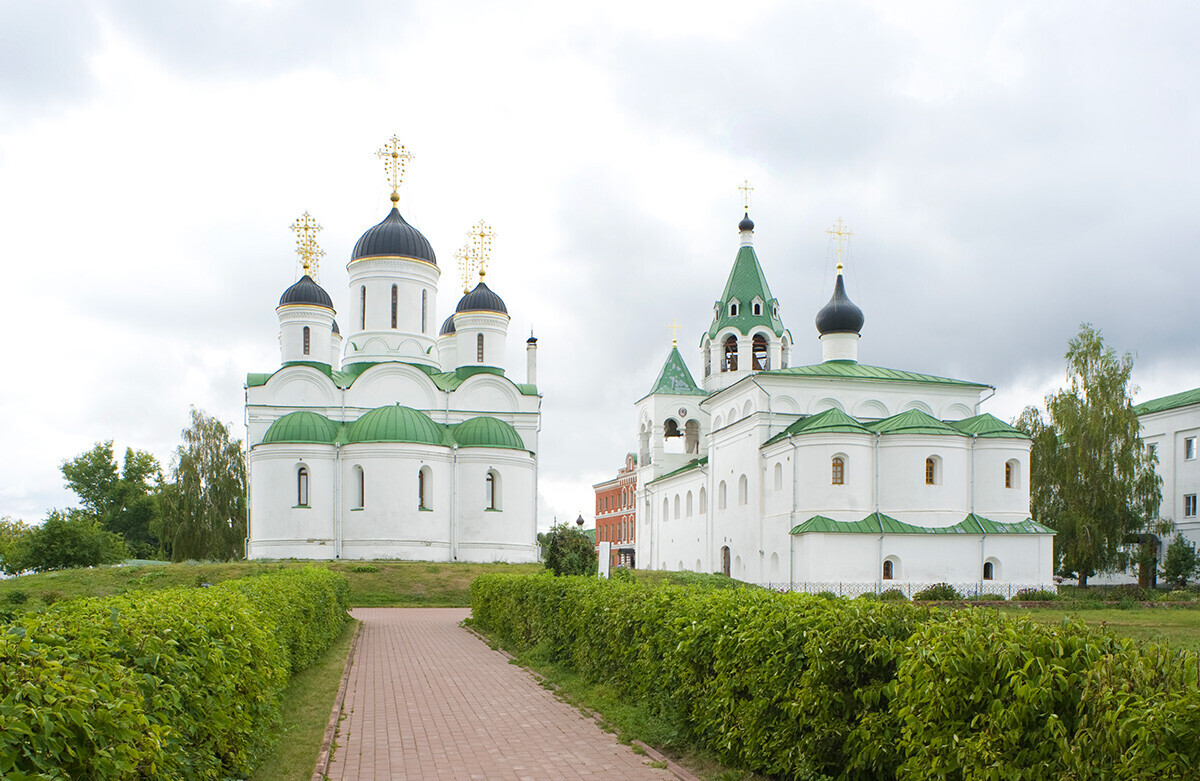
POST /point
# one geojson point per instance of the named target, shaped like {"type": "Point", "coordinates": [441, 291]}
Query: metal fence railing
{"type": "Point", "coordinates": [908, 588]}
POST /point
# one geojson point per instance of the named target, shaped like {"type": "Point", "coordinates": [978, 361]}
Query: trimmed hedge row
{"type": "Point", "coordinates": [801, 687]}
{"type": "Point", "coordinates": [180, 683]}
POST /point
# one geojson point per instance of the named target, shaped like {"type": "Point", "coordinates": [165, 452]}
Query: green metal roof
{"type": "Point", "coordinates": [396, 424]}
{"type": "Point", "coordinates": [1182, 399]}
{"type": "Point", "coordinates": [675, 378]}
{"type": "Point", "coordinates": [746, 282]}
{"type": "Point", "coordinates": [351, 371]}
{"type": "Point", "coordinates": [689, 466]}
{"type": "Point", "coordinates": [877, 523]}
{"type": "Point", "coordinates": [487, 432]}
{"type": "Point", "coordinates": [302, 426]}
{"type": "Point", "coordinates": [853, 370]}
{"type": "Point", "coordinates": [988, 426]}
{"type": "Point", "coordinates": [914, 421]}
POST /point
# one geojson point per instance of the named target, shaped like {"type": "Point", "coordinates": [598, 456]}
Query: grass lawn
{"type": "Point", "coordinates": [1177, 627]}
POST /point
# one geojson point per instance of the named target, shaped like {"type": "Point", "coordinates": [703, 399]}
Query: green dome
{"type": "Point", "coordinates": [395, 424]}
{"type": "Point", "coordinates": [487, 432]}
{"type": "Point", "coordinates": [302, 426]}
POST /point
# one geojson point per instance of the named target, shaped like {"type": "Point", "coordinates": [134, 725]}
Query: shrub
{"type": "Point", "coordinates": [1180, 562]}
{"type": "Point", "coordinates": [64, 541]}
{"type": "Point", "coordinates": [985, 598]}
{"type": "Point", "coordinates": [938, 592]}
{"type": "Point", "coordinates": [1181, 595]}
{"type": "Point", "coordinates": [364, 568]}
{"type": "Point", "coordinates": [568, 551]}
{"type": "Point", "coordinates": [826, 595]}
{"type": "Point", "coordinates": [893, 595]}
{"type": "Point", "coordinates": [1034, 595]}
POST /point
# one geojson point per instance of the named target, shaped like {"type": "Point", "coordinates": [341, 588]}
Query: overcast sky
{"type": "Point", "coordinates": [1009, 170]}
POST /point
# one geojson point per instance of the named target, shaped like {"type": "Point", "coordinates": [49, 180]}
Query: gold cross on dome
{"type": "Point", "coordinates": [473, 257]}
{"type": "Point", "coordinates": [306, 228]}
{"type": "Point", "coordinates": [674, 327]}
{"type": "Point", "coordinates": [839, 229]}
{"type": "Point", "coordinates": [746, 190]}
{"type": "Point", "coordinates": [395, 159]}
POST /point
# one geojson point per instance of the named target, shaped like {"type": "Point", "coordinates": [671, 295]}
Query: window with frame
{"type": "Point", "coordinates": [988, 570]}
{"type": "Point", "coordinates": [395, 305]}
{"type": "Point", "coordinates": [492, 490]}
{"type": "Point", "coordinates": [1189, 448]}
{"type": "Point", "coordinates": [757, 309]}
{"type": "Point", "coordinates": [931, 471]}
{"type": "Point", "coordinates": [362, 308]}
{"type": "Point", "coordinates": [307, 337]}
{"type": "Point", "coordinates": [1189, 505]}
{"type": "Point", "coordinates": [424, 311]}
{"type": "Point", "coordinates": [360, 488]}
{"type": "Point", "coordinates": [888, 570]}
{"type": "Point", "coordinates": [423, 488]}
{"type": "Point", "coordinates": [1008, 475]}
{"type": "Point", "coordinates": [302, 487]}
{"type": "Point", "coordinates": [733, 309]}
{"type": "Point", "coordinates": [479, 348]}
{"type": "Point", "coordinates": [729, 364]}
{"type": "Point", "coordinates": [838, 468]}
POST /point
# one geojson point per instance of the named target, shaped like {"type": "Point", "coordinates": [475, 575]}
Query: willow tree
{"type": "Point", "coordinates": [205, 503]}
{"type": "Point", "coordinates": [1091, 480]}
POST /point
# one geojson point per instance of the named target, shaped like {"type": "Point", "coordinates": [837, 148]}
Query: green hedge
{"type": "Point", "coordinates": [180, 683]}
{"type": "Point", "coordinates": [800, 687]}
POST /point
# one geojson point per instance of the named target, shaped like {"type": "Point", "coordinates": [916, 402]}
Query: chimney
{"type": "Point", "coordinates": [531, 359]}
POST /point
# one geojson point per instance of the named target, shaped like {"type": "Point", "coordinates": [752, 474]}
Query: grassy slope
{"type": "Point", "coordinates": [1178, 628]}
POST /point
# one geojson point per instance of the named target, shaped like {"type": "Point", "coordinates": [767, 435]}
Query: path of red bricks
{"type": "Point", "coordinates": [428, 699]}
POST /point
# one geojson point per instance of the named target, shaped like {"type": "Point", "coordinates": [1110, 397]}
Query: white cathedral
{"type": "Point", "coordinates": [833, 476]}
{"type": "Point", "coordinates": [396, 440]}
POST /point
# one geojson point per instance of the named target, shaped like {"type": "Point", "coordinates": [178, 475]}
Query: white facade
{"type": "Point", "coordinates": [1171, 427]}
{"type": "Point", "coordinates": [378, 446]}
{"type": "Point", "coordinates": [830, 476]}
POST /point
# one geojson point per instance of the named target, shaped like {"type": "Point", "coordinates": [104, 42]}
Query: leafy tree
{"type": "Point", "coordinates": [11, 532]}
{"type": "Point", "coordinates": [1090, 478]}
{"type": "Point", "coordinates": [205, 504]}
{"type": "Point", "coordinates": [568, 551]}
{"type": "Point", "coordinates": [67, 539]}
{"type": "Point", "coordinates": [124, 501]}
{"type": "Point", "coordinates": [1180, 562]}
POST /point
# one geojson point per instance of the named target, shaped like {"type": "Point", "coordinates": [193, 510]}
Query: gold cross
{"type": "Point", "coordinates": [306, 229]}
{"type": "Point", "coordinates": [395, 158]}
{"type": "Point", "coordinates": [746, 190]}
{"type": "Point", "coordinates": [674, 326]}
{"type": "Point", "coordinates": [473, 257]}
{"type": "Point", "coordinates": [839, 230]}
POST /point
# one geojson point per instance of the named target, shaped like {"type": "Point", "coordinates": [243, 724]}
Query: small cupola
{"type": "Point", "coordinates": [481, 299]}
{"type": "Point", "coordinates": [840, 321]}
{"type": "Point", "coordinates": [305, 310]}
{"type": "Point", "coordinates": [306, 292]}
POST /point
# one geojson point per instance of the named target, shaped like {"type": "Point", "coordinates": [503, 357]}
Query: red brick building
{"type": "Point", "coordinates": [616, 512]}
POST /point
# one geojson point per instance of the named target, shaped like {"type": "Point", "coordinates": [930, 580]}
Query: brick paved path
{"type": "Point", "coordinates": [428, 699]}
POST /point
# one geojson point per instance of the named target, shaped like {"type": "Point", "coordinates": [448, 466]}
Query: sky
{"type": "Point", "coordinates": [1009, 171]}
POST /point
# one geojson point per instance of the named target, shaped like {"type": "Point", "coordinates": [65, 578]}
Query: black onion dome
{"type": "Point", "coordinates": [336, 330]}
{"type": "Point", "coordinates": [306, 292]}
{"type": "Point", "coordinates": [840, 315]}
{"type": "Point", "coordinates": [746, 224]}
{"type": "Point", "coordinates": [393, 237]}
{"type": "Point", "coordinates": [448, 327]}
{"type": "Point", "coordinates": [481, 299]}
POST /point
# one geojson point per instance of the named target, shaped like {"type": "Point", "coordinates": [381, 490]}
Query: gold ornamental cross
{"type": "Point", "coordinates": [306, 229]}
{"type": "Point", "coordinates": [839, 229]}
{"type": "Point", "coordinates": [674, 328]}
{"type": "Point", "coordinates": [746, 190]}
{"type": "Point", "coordinates": [395, 160]}
{"type": "Point", "coordinates": [474, 256]}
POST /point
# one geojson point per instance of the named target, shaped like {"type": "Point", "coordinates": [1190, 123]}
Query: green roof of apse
{"type": "Point", "coordinates": [746, 282]}
{"type": "Point", "coordinates": [302, 426]}
{"type": "Point", "coordinates": [914, 421]}
{"type": "Point", "coordinates": [689, 466]}
{"type": "Point", "coordinates": [830, 421]}
{"type": "Point", "coordinates": [487, 432]}
{"type": "Point", "coordinates": [345, 377]}
{"type": "Point", "coordinates": [1182, 399]}
{"type": "Point", "coordinates": [878, 523]}
{"type": "Point", "coordinates": [853, 370]}
{"type": "Point", "coordinates": [675, 379]}
{"type": "Point", "coordinates": [395, 424]}
{"type": "Point", "coordinates": [987, 426]}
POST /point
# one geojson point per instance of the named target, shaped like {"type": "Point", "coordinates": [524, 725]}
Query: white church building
{"type": "Point", "coordinates": [836, 475]}
{"type": "Point", "coordinates": [395, 439]}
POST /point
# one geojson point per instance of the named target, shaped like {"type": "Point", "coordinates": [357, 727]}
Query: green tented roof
{"type": "Point", "coordinates": [831, 421]}
{"type": "Point", "coordinates": [689, 466]}
{"type": "Point", "coordinates": [914, 421]}
{"type": "Point", "coordinates": [1182, 399]}
{"type": "Point", "coordinates": [350, 372]}
{"type": "Point", "coordinates": [988, 426]}
{"type": "Point", "coordinates": [746, 282]}
{"type": "Point", "coordinates": [877, 523]}
{"type": "Point", "coordinates": [853, 370]}
{"type": "Point", "coordinates": [302, 426]}
{"type": "Point", "coordinates": [395, 424]}
{"type": "Point", "coordinates": [675, 378]}
{"type": "Point", "coordinates": [487, 432]}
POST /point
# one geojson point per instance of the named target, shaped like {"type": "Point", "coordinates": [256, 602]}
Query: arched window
{"type": "Point", "coordinates": [733, 309]}
{"type": "Point", "coordinates": [395, 305]}
{"type": "Point", "coordinates": [757, 308]}
{"type": "Point", "coordinates": [778, 476]}
{"type": "Point", "coordinates": [424, 487]}
{"type": "Point", "coordinates": [302, 487]}
{"type": "Point", "coordinates": [479, 348]}
{"type": "Point", "coordinates": [671, 428]}
{"type": "Point", "coordinates": [730, 362]}
{"type": "Point", "coordinates": [666, 509]}
{"type": "Point", "coordinates": [743, 490]}
{"type": "Point", "coordinates": [677, 507]}
{"type": "Point", "coordinates": [306, 340]}
{"type": "Point", "coordinates": [1012, 474]}
{"type": "Point", "coordinates": [721, 495]}
{"type": "Point", "coordinates": [707, 350]}
{"type": "Point", "coordinates": [888, 570]}
{"type": "Point", "coordinates": [988, 570]}
{"type": "Point", "coordinates": [691, 440]}
{"type": "Point", "coordinates": [424, 311]}
{"type": "Point", "coordinates": [839, 470]}
{"type": "Point", "coordinates": [762, 361]}
{"type": "Point", "coordinates": [492, 494]}
{"type": "Point", "coordinates": [689, 504]}
{"type": "Point", "coordinates": [362, 309]}
{"type": "Point", "coordinates": [931, 470]}
{"type": "Point", "coordinates": [703, 500]}
{"type": "Point", "coordinates": [1007, 479]}
{"type": "Point", "coordinates": [783, 355]}
{"type": "Point", "coordinates": [360, 488]}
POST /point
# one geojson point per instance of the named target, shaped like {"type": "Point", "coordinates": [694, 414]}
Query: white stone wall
{"type": "Point", "coordinates": [1169, 430]}
{"type": "Point", "coordinates": [376, 339]}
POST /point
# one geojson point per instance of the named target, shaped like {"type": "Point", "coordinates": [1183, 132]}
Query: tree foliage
{"type": "Point", "coordinates": [125, 500]}
{"type": "Point", "coordinates": [66, 540]}
{"type": "Point", "coordinates": [568, 551]}
{"type": "Point", "coordinates": [1090, 478]}
{"type": "Point", "coordinates": [1180, 562]}
{"type": "Point", "coordinates": [205, 504]}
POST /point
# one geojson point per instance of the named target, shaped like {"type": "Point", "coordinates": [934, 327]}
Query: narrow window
{"type": "Point", "coordinates": [302, 487]}
{"type": "Point", "coordinates": [757, 309]}
{"type": "Point", "coordinates": [360, 485]}
{"type": "Point", "coordinates": [1189, 506]}
{"type": "Point", "coordinates": [987, 570]}
{"type": "Point", "coordinates": [677, 507]}
{"type": "Point", "coordinates": [733, 309]}
{"type": "Point", "coordinates": [362, 309]}
{"type": "Point", "coordinates": [703, 501]}
{"type": "Point", "coordinates": [689, 504]}
{"type": "Point", "coordinates": [839, 470]}
{"type": "Point", "coordinates": [666, 510]}
{"type": "Point", "coordinates": [930, 471]}
{"type": "Point", "coordinates": [395, 305]}
{"type": "Point", "coordinates": [721, 496]}
{"type": "Point", "coordinates": [306, 340]}
{"type": "Point", "coordinates": [743, 490]}
{"type": "Point", "coordinates": [479, 348]}
{"type": "Point", "coordinates": [424, 311]}
{"type": "Point", "coordinates": [887, 570]}
{"type": "Point", "coordinates": [1189, 448]}
{"type": "Point", "coordinates": [492, 493]}
{"type": "Point", "coordinates": [1008, 475]}
{"type": "Point", "coordinates": [731, 350]}
{"type": "Point", "coordinates": [707, 360]}
{"type": "Point", "coordinates": [423, 487]}
{"type": "Point", "coordinates": [778, 476]}
{"type": "Point", "coordinates": [762, 361]}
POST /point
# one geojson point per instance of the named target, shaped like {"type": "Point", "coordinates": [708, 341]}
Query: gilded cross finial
{"type": "Point", "coordinates": [746, 190]}
{"type": "Point", "coordinates": [473, 257]}
{"type": "Point", "coordinates": [395, 159]}
{"type": "Point", "coordinates": [306, 229]}
{"type": "Point", "coordinates": [674, 327]}
{"type": "Point", "coordinates": [839, 229]}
